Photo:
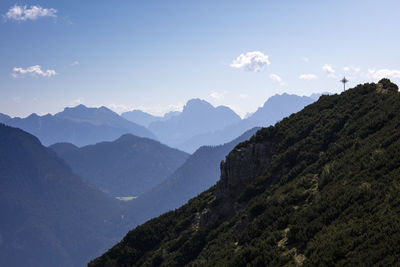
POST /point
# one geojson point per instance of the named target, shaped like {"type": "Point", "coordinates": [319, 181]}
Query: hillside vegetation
{"type": "Point", "coordinates": [320, 188]}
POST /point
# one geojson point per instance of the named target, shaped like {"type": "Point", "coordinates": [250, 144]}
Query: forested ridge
{"type": "Point", "coordinates": [320, 188]}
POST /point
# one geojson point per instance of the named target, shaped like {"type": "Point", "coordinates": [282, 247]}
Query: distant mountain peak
{"type": "Point", "coordinates": [33, 115]}
{"type": "Point", "coordinates": [79, 125]}
{"type": "Point", "coordinates": [4, 117]}
{"type": "Point", "coordinates": [83, 108]}
{"type": "Point", "coordinates": [198, 117]}
{"type": "Point", "coordinates": [78, 107]}
{"type": "Point", "coordinates": [104, 108]}
{"type": "Point", "coordinates": [127, 138]}
{"type": "Point", "coordinates": [128, 166]}
{"type": "Point", "coordinates": [196, 104]}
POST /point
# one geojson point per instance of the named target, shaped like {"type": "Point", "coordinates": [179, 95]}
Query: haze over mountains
{"type": "Point", "coordinates": [128, 166]}
{"type": "Point", "coordinates": [271, 188]}
{"type": "Point", "coordinates": [49, 216]}
{"type": "Point", "coordinates": [202, 124]}
{"type": "Point", "coordinates": [198, 124]}
{"type": "Point", "coordinates": [79, 125]}
{"type": "Point", "coordinates": [274, 109]}
{"type": "Point", "coordinates": [4, 117]}
{"type": "Point", "coordinates": [199, 133]}
{"type": "Point", "coordinates": [91, 176]}
{"type": "Point", "coordinates": [145, 119]}
{"type": "Point", "coordinates": [197, 117]}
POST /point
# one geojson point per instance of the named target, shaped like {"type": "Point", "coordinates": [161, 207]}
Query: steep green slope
{"type": "Point", "coordinates": [320, 188]}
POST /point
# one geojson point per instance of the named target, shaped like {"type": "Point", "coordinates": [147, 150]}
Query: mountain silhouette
{"type": "Point", "coordinates": [128, 166]}
{"type": "Point", "coordinates": [145, 119]}
{"type": "Point", "coordinates": [4, 118]}
{"type": "Point", "coordinates": [279, 106]}
{"type": "Point", "coordinates": [140, 117]}
{"type": "Point", "coordinates": [79, 125]}
{"type": "Point", "coordinates": [274, 109]}
{"type": "Point", "coordinates": [198, 117]}
{"type": "Point", "coordinates": [50, 217]}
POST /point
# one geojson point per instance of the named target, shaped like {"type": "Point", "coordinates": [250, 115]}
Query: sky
{"type": "Point", "coordinates": [156, 55]}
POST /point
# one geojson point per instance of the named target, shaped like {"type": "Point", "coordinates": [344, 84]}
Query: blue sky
{"type": "Point", "coordinates": [155, 55]}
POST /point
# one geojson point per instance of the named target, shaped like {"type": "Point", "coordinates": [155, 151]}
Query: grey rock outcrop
{"type": "Point", "coordinates": [241, 166]}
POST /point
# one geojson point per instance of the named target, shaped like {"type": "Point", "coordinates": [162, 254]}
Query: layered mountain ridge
{"type": "Point", "coordinates": [198, 116]}
{"type": "Point", "coordinates": [4, 118]}
{"type": "Point", "coordinates": [128, 166]}
{"type": "Point", "coordinates": [79, 125]}
{"type": "Point", "coordinates": [50, 217]}
{"type": "Point", "coordinates": [274, 109]}
{"type": "Point", "coordinates": [319, 188]}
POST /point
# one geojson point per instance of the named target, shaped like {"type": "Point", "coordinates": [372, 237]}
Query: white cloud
{"type": "Point", "coordinates": [74, 63]}
{"type": "Point", "coordinates": [118, 108]}
{"type": "Point", "coordinates": [329, 70]}
{"type": "Point", "coordinates": [216, 95]}
{"type": "Point", "coordinates": [160, 110]}
{"type": "Point", "coordinates": [277, 79]}
{"type": "Point", "coordinates": [251, 61]}
{"type": "Point", "coordinates": [305, 59]}
{"type": "Point", "coordinates": [308, 77]}
{"type": "Point", "coordinates": [23, 13]}
{"type": "Point", "coordinates": [243, 96]}
{"type": "Point", "coordinates": [382, 73]}
{"type": "Point", "coordinates": [33, 70]}
{"type": "Point", "coordinates": [77, 101]}
{"type": "Point", "coordinates": [351, 69]}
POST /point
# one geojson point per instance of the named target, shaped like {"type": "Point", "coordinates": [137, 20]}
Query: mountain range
{"type": "Point", "coordinates": [198, 116]}
{"type": "Point", "coordinates": [145, 119]}
{"type": "Point", "coordinates": [53, 196]}
{"type": "Point", "coordinates": [128, 166]}
{"type": "Point", "coordinates": [55, 219]}
{"type": "Point", "coordinates": [50, 217]}
{"type": "Point", "coordinates": [79, 125]}
{"type": "Point", "coordinates": [320, 188]}
{"type": "Point", "coordinates": [274, 109]}
{"type": "Point", "coordinates": [200, 123]}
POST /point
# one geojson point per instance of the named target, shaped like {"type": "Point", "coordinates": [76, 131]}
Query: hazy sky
{"type": "Point", "coordinates": [155, 55]}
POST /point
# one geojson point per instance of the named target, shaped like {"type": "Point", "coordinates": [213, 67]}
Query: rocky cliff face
{"type": "Point", "coordinates": [241, 166]}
